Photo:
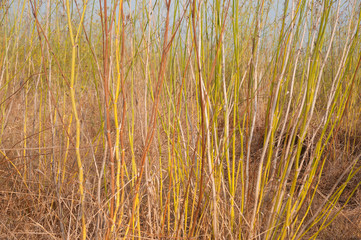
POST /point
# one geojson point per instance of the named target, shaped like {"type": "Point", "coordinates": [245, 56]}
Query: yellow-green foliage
{"type": "Point", "coordinates": [219, 119]}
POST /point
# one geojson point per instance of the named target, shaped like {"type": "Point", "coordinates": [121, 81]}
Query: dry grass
{"type": "Point", "coordinates": [232, 126]}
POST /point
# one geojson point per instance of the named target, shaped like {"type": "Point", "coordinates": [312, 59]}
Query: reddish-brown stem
{"type": "Point", "coordinates": [153, 118]}
{"type": "Point", "coordinates": [107, 112]}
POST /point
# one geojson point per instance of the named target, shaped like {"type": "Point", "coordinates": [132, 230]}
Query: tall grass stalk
{"type": "Point", "coordinates": [74, 43]}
